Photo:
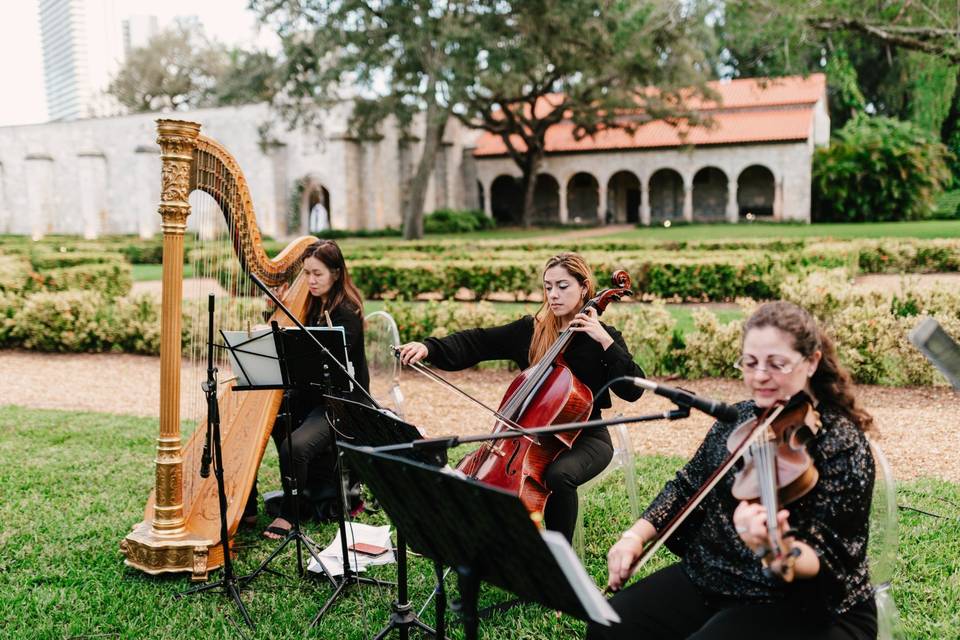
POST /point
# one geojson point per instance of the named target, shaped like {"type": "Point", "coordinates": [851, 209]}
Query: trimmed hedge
{"type": "Point", "coordinates": [110, 279]}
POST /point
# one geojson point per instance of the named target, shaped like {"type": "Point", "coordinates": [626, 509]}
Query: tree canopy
{"type": "Point", "coordinates": [181, 68]}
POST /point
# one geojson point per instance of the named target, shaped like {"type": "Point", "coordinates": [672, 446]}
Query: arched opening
{"type": "Point", "coordinates": [583, 198]}
{"type": "Point", "coordinates": [315, 209]}
{"type": "Point", "coordinates": [710, 195]}
{"type": "Point", "coordinates": [506, 199]}
{"type": "Point", "coordinates": [623, 197]}
{"type": "Point", "coordinates": [755, 191]}
{"type": "Point", "coordinates": [666, 195]}
{"type": "Point", "coordinates": [546, 200]}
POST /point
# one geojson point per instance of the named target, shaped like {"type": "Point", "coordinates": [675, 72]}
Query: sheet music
{"type": "Point", "coordinates": [590, 597]}
{"type": "Point", "coordinates": [258, 353]}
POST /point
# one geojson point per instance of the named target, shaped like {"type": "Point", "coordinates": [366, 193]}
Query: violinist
{"type": "Point", "coordinates": [721, 587]}
{"type": "Point", "coordinates": [334, 301]}
{"type": "Point", "coordinates": [596, 354]}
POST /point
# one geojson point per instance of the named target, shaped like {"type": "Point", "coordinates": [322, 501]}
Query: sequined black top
{"type": "Point", "coordinates": [833, 519]}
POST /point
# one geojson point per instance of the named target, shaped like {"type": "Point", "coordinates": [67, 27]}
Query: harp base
{"type": "Point", "coordinates": [153, 554]}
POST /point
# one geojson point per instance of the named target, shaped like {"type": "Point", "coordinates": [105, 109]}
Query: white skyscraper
{"type": "Point", "coordinates": [137, 32]}
{"type": "Point", "coordinates": [82, 51]}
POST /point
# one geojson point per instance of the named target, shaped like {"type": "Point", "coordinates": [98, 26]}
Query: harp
{"type": "Point", "coordinates": [180, 527]}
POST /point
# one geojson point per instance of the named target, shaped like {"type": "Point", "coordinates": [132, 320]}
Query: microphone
{"type": "Point", "coordinates": [719, 410]}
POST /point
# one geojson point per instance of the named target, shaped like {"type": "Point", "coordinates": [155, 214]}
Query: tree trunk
{"type": "Point", "coordinates": [530, 172]}
{"type": "Point", "coordinates": [416, 188]}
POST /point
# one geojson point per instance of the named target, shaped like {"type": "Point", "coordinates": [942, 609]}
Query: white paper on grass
{"type": "Point", "coordinates": [356, 532]}
{"type": "Point", "coordinates": [587, 592]}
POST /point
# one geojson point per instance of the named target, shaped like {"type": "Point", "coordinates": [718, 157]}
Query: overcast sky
{"type": "Point", "coordinates": [21, 56]}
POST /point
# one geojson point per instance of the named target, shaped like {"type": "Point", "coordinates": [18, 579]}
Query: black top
{"type": "Point", "coordinates": [833, 519]}
{"type": "Point", "coordinates": [346, 315]}
{"type": "Point", "coordinates": [588, 361]}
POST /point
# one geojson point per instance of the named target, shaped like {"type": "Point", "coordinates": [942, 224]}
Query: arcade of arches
{"type": "Point", "coordinates": [706, 195]}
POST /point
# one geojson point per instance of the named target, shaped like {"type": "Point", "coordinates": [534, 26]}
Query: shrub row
{"type": "Point", "coordinates": [870, 330]}
{"type": "Point", "coordinates": [110, 278]}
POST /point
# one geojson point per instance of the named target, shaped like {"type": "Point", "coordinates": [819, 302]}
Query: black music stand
{"type": "Point", "coordinates": [294, 362]}
{"type": "Point", "coordinates": [362, 425]}
{"type": "Point", "coordinates": [484, 533]}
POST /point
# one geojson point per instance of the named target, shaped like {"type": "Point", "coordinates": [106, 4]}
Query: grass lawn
{"type": "Point", "coordinates": [146, 272]}
{"type": "Point", "coordinates": [840, 231]}
{"type": "Point", "coordinates": [72, 484]}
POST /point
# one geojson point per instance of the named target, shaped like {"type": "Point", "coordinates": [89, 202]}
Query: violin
{"type": "Point", "coordinates": [543, 394]}
{"type": "Point", "coordinates": [777, 470]}
{"type": "Point", "coordinates": [783, 429]}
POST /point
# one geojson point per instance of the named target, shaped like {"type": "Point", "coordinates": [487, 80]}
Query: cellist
{"type": "Point", "coordinates": [720, 589]}
{"type": "Point", "coordinates": [595, 357]}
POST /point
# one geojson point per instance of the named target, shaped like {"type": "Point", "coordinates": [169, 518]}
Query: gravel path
{"type": "Point", "coordinates": [917, 426]}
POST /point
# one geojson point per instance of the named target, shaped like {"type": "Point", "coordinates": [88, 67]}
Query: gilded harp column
{"type": "Point", "coordinates": [162, 542]}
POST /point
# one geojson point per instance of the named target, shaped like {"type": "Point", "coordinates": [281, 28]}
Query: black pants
{"type": "Point", "coordinates": [310, 455]}
{"type": "Point", "coordinates": [667, 605]}
{"type": "Point", "coordinates": [590, 454]}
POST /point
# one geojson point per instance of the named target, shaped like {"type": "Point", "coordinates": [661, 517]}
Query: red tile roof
{"type": "Point", "coordinates": [750, 110]}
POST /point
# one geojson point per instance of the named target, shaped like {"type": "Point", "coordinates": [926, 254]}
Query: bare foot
{"type": "Point", "coordinates": [279, 528]}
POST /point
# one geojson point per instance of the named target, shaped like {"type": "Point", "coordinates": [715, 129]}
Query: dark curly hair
{"type": "Point", "coordinates": [831, 383]}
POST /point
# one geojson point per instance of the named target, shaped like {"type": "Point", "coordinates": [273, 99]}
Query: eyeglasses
{"type": "Point", "coordinates": [749, 364]}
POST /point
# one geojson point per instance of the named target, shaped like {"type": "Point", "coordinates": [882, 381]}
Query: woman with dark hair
{"type": "Point", "coordinates": [720, 589]}
{"type": "Point", "coordinates": [334, 301]}
{"type": "Point", "coordinates": [595, 357]}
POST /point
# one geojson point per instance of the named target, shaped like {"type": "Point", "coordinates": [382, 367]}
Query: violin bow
{"type": "Point", "coordinates": [705, 489]}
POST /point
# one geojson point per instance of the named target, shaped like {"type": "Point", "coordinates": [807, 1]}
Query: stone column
{"type": "Point", "coordinates": [564, 214]}
{"type": "Point", "coordinates": [487, 203]}
{"type": "Point", "coordinates": [602, 203]}
{"type": "Point", "coordinates": [688, 201]}
{"type": "Point", "coordinates": [778, 199]}
{"type": "Point", "coordinates": [733, 210]}
{"type": "Point", "coordinates": [645, 202]}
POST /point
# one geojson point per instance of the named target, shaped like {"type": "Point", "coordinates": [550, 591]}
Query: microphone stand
{"type": "Point", "coordinates": [229, 582]}
{"type": "Point", "coordinates": [449, 442]}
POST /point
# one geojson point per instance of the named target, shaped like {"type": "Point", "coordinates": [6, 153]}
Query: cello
{"type": "Point", "coordinates": [543, 394]}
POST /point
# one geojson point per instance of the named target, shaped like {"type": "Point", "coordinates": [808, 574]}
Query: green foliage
{"type": "Point", "coordinates": [878, 169]}
{"type": "Point", "coordinates": [14, 272]}
{"type": "Point", "coordinates": [62, 321]}
{"type": "Point", "coordinates": [110, 279]}
{"type": "Point", "coordinates": [454, 221]}
{"type": "Point", "coordinates": [55, 260]}
{"type": "Point", "coordinates": [181, 67]}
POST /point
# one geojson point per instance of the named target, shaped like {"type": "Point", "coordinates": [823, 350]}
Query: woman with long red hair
{"type": "Point", "coordinates": [596, 356]}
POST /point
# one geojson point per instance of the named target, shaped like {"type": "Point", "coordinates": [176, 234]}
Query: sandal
{"type": "Point", "coordinates": [277, 530]}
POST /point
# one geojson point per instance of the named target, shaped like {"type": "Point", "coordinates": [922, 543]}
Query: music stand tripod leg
{"type": "Point", "coordinates": [402, 616]}
{"type": "Point", "coordinates": [349, 575]}
{"type": "Point", "coordinates": [295, 534]}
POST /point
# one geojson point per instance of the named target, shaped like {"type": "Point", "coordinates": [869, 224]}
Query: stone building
{"type": "Point", "coordinates": [755, 159]}
{"type": "Point", "coordinates": [102, 176]}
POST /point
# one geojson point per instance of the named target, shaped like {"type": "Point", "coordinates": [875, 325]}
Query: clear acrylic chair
{"type": "Point", "coordinates": [380, 335]}
{"type": "Point", "coordinates": [622, 460]}
{"type": "Point", "coordinates": [882, 549]}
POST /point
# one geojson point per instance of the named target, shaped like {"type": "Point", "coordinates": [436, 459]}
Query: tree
{"type": "Point", "coordinates": [386, 58]}
{"type": "Point", "coordinates": [178, 69]}
{"type": "Point", "coordinates": [599, 64]}
{"type": "Point", "coordinates": [899, 51]}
